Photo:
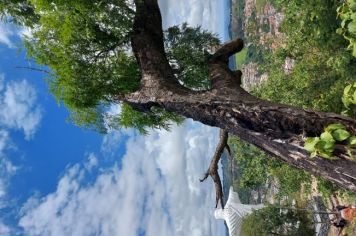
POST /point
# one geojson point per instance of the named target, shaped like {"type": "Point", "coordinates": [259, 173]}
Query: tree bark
{"type": "Point", "coordinates": [276, 128]}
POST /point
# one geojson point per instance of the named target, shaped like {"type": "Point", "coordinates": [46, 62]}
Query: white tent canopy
{"type": "Point", "coordinates": [234, 211]}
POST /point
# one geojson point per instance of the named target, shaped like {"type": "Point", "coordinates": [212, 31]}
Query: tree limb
{"type": "Point", "coordinates": [33, 69]}
{"type": "Point", "coordinates": [213, 167]}
{"type": "Point", "coordinates": [223, 80]}
{"type": "Point", "coordinates": [227, 50]}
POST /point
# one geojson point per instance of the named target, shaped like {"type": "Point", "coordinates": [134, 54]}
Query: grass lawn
{"type": "Point", "coordinates": [240, 58]}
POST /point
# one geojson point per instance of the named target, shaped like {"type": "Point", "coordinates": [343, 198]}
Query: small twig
{"type": "Point", "coordinates": [33, 69]}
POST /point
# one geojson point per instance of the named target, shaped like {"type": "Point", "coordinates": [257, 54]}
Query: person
{"type": "Point", "coordinates": [339, 224]}
{"type": "Point", "coordinates": [347, 212]}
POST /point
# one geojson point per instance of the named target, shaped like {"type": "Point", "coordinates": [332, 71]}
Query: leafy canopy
{"type": "Point", "coordinates": [347, 14]}
{"type": "Point", "coordinates": [272, 220]}
{"type": "Point", "coordinates": [256, 168]}
{"type": "Point", "coordinates": [86, 44]}
{"type": "Point", "coordinates": [322, 64]}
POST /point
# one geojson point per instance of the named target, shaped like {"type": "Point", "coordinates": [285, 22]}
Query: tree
{"type": "Point", "coordinates": [115, 51]}
{"type": "Point", "coordinates": [272, 220]}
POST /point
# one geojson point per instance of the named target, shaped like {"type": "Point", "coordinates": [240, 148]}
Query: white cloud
{"type": "Point", "coordinates": [7, 169]}
{"type": "Point", "coordinates": [18, 101]}
{"type": "Point", "coordinates": [5, 34]}
{"type": "Point", "coordinates": [25, 33]}
{"type": "Point", "coordinates": [10, 32]}
{"type": "Point", "coordinates": [210, 14]}
{"type": "Point", "coordinates": [91, 162]}
{"type": "Point", "coordinates": [19, 111]}
{"type": "Point", "coordinates": [2, 81]}
{"type": "Point", "coordinates": [4, 230]}
{"type": "Point", "coordinates": [113, 140]}
{"type": "Point", "coordinates": [155, 189]}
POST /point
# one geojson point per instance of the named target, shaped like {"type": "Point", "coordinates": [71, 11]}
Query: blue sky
{"type": "Point", "coordinates": [57, 179]}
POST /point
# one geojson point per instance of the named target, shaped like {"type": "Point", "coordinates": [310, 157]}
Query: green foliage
{"type": "Point", "coordinates": [84, 50]}
{"type": "Point", "coordinates": [252, 161]}
{"type": "Point", "coordinates": [240, 58]}
{"type": "Point", "coordinates": [188, 50]}
{"type": "Point", "coordinates": [349, 100]}
{"type": "Point", "coordinates": [272, 220]}
{"type": "Point", "coordinates": [22, 11]}
{"type": "Point", "coordinates": [255, 167]}
{"type": "Point", "coordinates": [157, 118]}
{"type": "Point", "coordinates": [329, 189]}
{"type": "Point", "coordinates": [324, 145]}
{"type": "Point", "coordinates": [93, 118]}
{"type": "Point", "coordinates": [290, 180]}
{"type": "Point", "coordinates": [347, 13]}
{"type": "Point", "coordinates": [322, 65]}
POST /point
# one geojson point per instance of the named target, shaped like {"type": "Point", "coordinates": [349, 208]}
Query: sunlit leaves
{"type": "Point", "coordinates": [157, 118]}
{"type": "Point", "coordinates": [349, 100]}
{"type": "Point", "coordinates": [324, 145]}
{"type": "Point", "coordinates": [341, 135]}
{"type": "Point", "coordinates": [21, 12]}
{"type": "Point", "coordinates": [85, 45]}
{"type": "Point", "coordinates": [347, 13]}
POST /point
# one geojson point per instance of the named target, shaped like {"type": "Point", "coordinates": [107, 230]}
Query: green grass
{"type": "Point", "coordinates": [260, 4]}
{"type": "Point", "coordinates": [240, 58]}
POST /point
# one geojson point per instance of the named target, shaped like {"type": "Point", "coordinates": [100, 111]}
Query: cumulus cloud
{"type": "Point", "coordinates": [210, 14]}
{"type": "Point", "coordinates": [9, 33]}
{"type": "Point", "coordinates": [19, 112]}
{"type": "Point", "coordinates": [18, 100]}
{"type": "Point", "coordinates": [114, 139]}
{"type": "Point", "coordinates": [154, 190]}
{"type": "Point", "coordinates": [7, 169]}
{"type": "Point", "coordinates": [2, 81]}
{"type": "Point", "coordinates": [91, 162]}
{"type": "Point", "coordinates": [4, 229]}
{"type": "Point", "coordinates": [5, 34]}
{"type": "Point", "coordinates": [24, 32]}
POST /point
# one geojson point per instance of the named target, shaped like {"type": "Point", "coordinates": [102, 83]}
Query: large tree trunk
{"type": "Point", "coordinates": [278, 129]}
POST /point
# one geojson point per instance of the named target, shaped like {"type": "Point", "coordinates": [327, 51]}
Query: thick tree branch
{"type": "Point", "coordinates": [213, 167]}
{"type": "Point", "coordinates": [222, 78]}
{"type": "Point", "coordinates": [227, 50]}
{"type": "Point", "coordinates": [148, 46]}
